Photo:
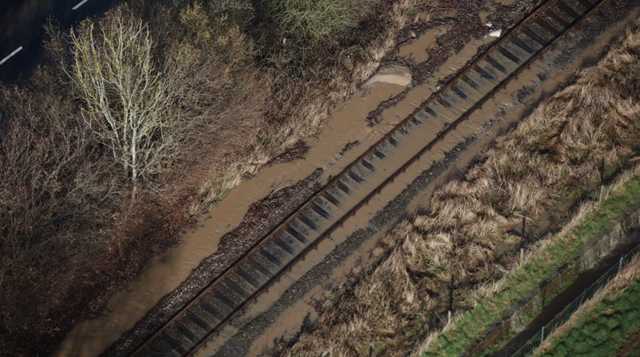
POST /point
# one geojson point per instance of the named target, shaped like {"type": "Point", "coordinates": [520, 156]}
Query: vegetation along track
{"type": "Point", "coordinates": [273, 256]}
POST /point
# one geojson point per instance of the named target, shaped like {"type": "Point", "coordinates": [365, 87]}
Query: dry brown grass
{"type": "Point", "coordinates": [543, 166]}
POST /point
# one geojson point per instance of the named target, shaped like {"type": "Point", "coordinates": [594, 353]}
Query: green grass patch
{"type": "Point", "coordinates": [525, 280]}
{"type": "Point", "coordinates": [313, 19]}
{"type": "Point", "coordinates": [605, 330]}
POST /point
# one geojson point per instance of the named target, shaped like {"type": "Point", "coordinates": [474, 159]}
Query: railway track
{"type": "Point", "coordinates": [267, 261]}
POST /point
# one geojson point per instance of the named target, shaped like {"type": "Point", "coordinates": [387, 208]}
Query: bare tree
{"type": "Point", "coordinates": [126, 99]}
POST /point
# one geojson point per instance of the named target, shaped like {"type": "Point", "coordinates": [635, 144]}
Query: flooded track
{"type": "Point", "coordinates": [436, 127]}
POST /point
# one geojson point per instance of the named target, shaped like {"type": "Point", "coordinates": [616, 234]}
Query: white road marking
{"type": "Point", "coordinates": [79, 4]}
{"type": "Point", "coordinates": [11, 55]}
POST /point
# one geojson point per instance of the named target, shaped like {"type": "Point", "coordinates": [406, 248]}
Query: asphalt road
{"type": "Point", "coordinates": [22, 32]}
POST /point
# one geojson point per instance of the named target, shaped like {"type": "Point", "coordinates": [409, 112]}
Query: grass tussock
{"type": "Point", "coordinates": [560, 154]}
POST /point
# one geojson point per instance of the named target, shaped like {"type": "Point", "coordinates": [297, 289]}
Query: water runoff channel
{"type": "Point", "coordinates": [440, 116]}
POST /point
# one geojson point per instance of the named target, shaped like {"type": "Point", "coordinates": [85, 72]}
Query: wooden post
{"type": "Point", "coordinates": [451, 287]}
{"type": "Point", "coordinates": [524, 232]}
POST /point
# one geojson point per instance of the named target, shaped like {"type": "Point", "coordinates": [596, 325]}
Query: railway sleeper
{"type": "Point", "coordinates": [557, 18]}
{"type": "Point", "coordinates": [259, 267]}
{"type": "Point", "coordinates": [246, 287]}
{"type": "Point", "coordinates": [242, 273]}
{"type": "Point", "coordinates": [178, 336]}
{"type": "Point", "coordinates": [540, 21]}
{"type": "Point", "coordinates": [344, 188]}
{"type": "Point", "coordinates": [226, 300]}
{"type": "Point", "coordinates": [525, 47]}
{"type": "Point", "coordinates": [495, 64]}
{"type": "Point", "coordinates": [236, 288]}
{"type": "Point", "coordinates": [295, 234]}
{"type": "Point", "coordinates": [368, 165]}
{"type": "Point", "coordinates": [331, 198]}
{"type": "Point", "coordinates": [361, 172]}
{"type": "Point", "coordinates": [516, 50]}
{"type": "Point", "coordinates": [508, 54]}
{"type": "Point", "coordinates": [160, 345]}
{"type": "Point", "coordinates": [534, 36]}
{"type": "Point", "coordinates": [307, 221]}
{"type": "Point", "coordinates": [272, 259]}
{"type": "Point", "coordinates": [284, 246]}
{"type": "Point", "coordinates": [278, 252]}
{"type": "Point", "coordinates": [567, 10]}
{"type": "Point", "coordinates": [586, 4]}
{"type": "Point", "coordinates": [484, 73]}
{"type": "Point", "coordinates": [459, 92]}
{"type": "Point", "coordinates": [212, 311]}
{"type": "Point", "coordinates": [203, 325]}
{"type": "Point", "coordinates": [379, 154]}
{"type": "Point", "coordinates": [319, 210]}
{"type": "Point", "coordinates": [174, 344]}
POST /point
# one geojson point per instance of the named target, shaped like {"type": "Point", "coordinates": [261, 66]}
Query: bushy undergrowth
{"type": "Point", "coordinates": [603, 325]}
{"type": "Point", "coordinates": [558, 155]}
{"type": "Point", "coordinates": [218, 86]}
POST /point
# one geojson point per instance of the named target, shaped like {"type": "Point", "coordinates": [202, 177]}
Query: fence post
{"type": "Point", "coordinates": [542, 335]}
{"type": "Point", "coordinates": [620, 264]}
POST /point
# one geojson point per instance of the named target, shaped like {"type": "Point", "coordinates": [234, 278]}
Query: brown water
{"type": "Point", "coordinates": [410, 144]}
{"type": "Point", "coordinates": [164, 273]}
{"type": "Point", "coordinates": [416, 50]}
{"type": "Point", "coordinates": [289, 322]}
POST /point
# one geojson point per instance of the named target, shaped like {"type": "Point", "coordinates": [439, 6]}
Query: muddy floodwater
{"type": "Point", "coordinates": [347, 125]}
{"type": "Point", "coordinates": [416, 50]}
{"type": "Point", "coordinates": [275, 316]}
{"type": "Point", "coordinates": [165, 273]}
